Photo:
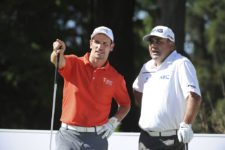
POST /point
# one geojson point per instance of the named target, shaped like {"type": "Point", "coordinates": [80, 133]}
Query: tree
{"type": "Point", "coordinates": [172, 14]}
{"type": "Point", "coordinates": [28, 30]}
{"type": "Point", "coordinates": [205, 23]}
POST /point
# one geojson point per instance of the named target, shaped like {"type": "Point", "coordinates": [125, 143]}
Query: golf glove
{"type": "Point", "coordinates": [185, 133]}
{"type": "Point", "coordinates": [109, 127]}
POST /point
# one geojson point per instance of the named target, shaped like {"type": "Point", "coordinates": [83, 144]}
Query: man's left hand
{"type": "Point", "coordinates": [109, 127]}
{"type": "Point", "coordinates": [185, 133]}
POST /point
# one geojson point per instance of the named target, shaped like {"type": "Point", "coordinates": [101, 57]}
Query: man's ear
{"type": "Point", "coordinates": [172, 45]}
{"type": "Point", "coordinates": [90, 43]}
{"type": "Point", "coordinates": [112, 47]}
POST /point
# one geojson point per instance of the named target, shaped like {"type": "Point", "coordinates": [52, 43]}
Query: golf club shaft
{"type": "Point", "coordinates": [54, 98]}
{"type": "Point", "coordinates": [186, 146]}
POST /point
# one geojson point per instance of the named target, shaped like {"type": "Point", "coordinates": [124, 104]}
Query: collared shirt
{"type": "Point", "coordinates": [165, 89]}
{"type": "Point", "coordinates": [88, 91]}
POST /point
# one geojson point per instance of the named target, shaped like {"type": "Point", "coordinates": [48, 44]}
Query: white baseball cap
{"type": "Point", "coordinates": [104, 30]}
{"type": "Point", "coordinates": [161, 31]}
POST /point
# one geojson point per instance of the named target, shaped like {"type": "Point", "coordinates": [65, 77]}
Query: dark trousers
{"type": "Point", "coordinates": [72, 140]}
{"type": "Point", "coordinates": [147, 142]}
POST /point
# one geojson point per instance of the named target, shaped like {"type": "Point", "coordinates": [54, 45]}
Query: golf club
{"type": "Point", "coordinates": [186, 146]}
{"type": "Point", "coordinates": [54, 98]}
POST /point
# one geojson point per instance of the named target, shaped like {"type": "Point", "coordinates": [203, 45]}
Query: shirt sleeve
{"type": "Point", "coordinates": [138, 83]}
{"type": "Point", "coordinates": [188, 78]}
{"type": "Point", "coordinates": [66, 70]}
{"type": "Point", "coordinates": [121, 96]}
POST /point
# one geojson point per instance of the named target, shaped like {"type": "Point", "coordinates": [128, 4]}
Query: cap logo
{"type": "Point", "coordinates": [105, 30]}
{"type": "Point", "coordinates": [158, 30]}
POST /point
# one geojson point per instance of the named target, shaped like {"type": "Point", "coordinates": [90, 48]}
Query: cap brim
{"type": "Point", "coordinates": [148, 36]}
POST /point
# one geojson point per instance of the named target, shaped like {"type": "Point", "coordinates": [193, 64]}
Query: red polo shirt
{"type": "Point", "coordinates": [88, 91]}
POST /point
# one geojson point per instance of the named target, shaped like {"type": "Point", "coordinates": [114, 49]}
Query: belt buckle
{"type": "Point", "coordinates": [169, 133]}
{"type": "Point", "coordinates": [153, 133]}
{"type": "Point", "coordinates": [85, 129]}
{"type": "Point", "coordinates": [89, 129]}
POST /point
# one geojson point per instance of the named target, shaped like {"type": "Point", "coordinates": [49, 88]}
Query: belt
{"type": "Point", "coordinates": [163, 133]}
{"type": "Point", "coordinates": [81, 129]}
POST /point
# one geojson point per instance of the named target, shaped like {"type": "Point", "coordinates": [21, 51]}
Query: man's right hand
{"type": "Point", "coordinates": [59, 46]}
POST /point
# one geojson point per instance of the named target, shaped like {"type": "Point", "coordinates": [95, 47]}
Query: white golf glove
{"type": "Point", "coordinates": [109, 127]}
{"type": "Point", "coordinates": [185, 133]}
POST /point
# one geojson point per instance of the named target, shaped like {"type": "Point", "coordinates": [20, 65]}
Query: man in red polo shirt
{"type": "Point", "coordinates": [90, 84]}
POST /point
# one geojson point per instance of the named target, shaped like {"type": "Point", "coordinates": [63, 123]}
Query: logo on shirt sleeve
{"type": "Point", "coordinates": [193, 86]}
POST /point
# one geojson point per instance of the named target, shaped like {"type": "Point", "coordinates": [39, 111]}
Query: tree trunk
{"type": "Point", "coordinates": [172, 14]}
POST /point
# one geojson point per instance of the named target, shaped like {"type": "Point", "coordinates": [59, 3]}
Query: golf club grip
{"type": "Point", "coordinates": [56, 69]}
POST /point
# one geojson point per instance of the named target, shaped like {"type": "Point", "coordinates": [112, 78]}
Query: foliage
{"type": "Point", "coordinates": [205, 22]}
{"type": "Point", "coordinates": [29, 27]}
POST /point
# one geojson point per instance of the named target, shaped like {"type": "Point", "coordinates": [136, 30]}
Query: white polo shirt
{"type": "Point", "coordinates": [165, 89]}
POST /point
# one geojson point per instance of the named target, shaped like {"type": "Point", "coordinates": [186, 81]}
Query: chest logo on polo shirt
{"type": "Point", "coordinates": [165, 77]}
{"type": "Point", "coordinates": [107, 81]}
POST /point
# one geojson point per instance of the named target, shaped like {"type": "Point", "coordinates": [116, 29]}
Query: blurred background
{"type": "Point", "coordinates": [29, 27]}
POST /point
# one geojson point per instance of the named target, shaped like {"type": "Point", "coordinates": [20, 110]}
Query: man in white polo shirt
{"type": "Point", "coordinates": [168, 92]}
